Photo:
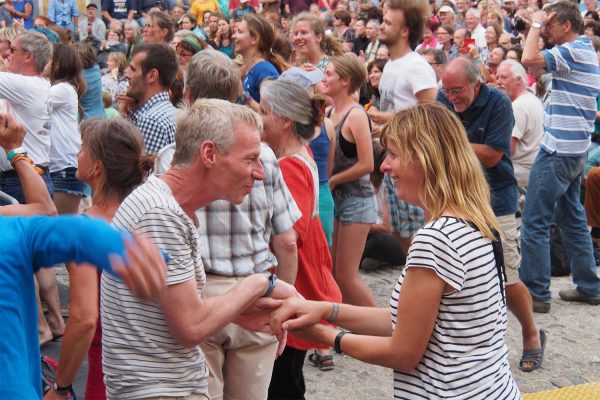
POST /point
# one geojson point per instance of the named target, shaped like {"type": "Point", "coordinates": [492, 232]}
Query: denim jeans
{"type": "Point", "coordinates": [12, 186]}
{"type": "Point", "coordinates": [553, 192]}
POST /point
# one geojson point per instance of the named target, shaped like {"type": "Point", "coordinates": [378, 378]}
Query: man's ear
{"type": "Point", "coordinates": [152, 76]}
{"type": "Point", "coordinates": [208, 154]}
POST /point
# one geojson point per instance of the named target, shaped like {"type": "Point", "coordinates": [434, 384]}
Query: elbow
{"type": "Point", "coordinates": [50, 210]}
{"type": "Point", "coordinates": [190, 338]}
{"type": "Point", "coordinates": [83, 326]}
{"type": "Point", "coordinates": [408, 363]}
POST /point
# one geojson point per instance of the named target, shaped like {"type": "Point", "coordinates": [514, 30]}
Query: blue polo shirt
{"type": "Point", "coordinates": [490, 121]}
{"type": "Point", "coordinates": [26, 245]}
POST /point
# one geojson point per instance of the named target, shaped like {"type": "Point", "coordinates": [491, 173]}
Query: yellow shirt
{"type": "Point", "coordinates": [199, 7]}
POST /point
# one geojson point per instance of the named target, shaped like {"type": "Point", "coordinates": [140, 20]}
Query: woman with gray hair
{"type": "Point", "coordinates": [133, 38]}
{"type": "Point", "coordinates": [290, 117]}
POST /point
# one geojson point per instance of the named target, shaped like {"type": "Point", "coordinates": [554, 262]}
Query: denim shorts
{"type": "Point", "coordinates": [65, 181]}
{"type": "Point", "coordinates": [356, 210]}
{"type": "Point", "coordinates": [11, 185]}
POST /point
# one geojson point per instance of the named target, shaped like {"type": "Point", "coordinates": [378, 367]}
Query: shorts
{"type": "Point", "coordinates": [355, 210]}
{"type": "Point", "coordinates": [511, 247]}
{"type": "Point", "coordinates": [11, 185]}
{"type": "Point", "coordinates": [65, 181]}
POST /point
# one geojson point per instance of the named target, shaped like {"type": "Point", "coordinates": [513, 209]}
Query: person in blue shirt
{"type": "Point", "coordinates": [23, 9]}
{"type": "Point", "coordinates": [28, 243]}
{"type": "Point", "coordinates": [64, 14]}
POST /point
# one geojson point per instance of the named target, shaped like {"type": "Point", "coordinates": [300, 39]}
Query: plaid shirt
{"type": "Point", "coordinates": [155, 119]}
{"type": "Point", "coordinates": [406, 219]}
{"type": "Point", "coordinates": [234, 239]}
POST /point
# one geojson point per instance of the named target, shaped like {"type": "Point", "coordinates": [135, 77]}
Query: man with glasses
{"type": "Point", "coordinates": [487, 116]}
{"type": "Point", "coordinates": [554, 184]}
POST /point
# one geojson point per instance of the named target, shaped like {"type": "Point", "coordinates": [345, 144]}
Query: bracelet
{"type": "Point", "coordinates": [271, 278]}
{"type": "Point", "coordinates": [15, 151]}
{"type": "Point", "coordinates": [334, 313]}
{"type": "Point", "coordinates": [18, 157]}
{"type": "Point", "coordinates": [338, 341]}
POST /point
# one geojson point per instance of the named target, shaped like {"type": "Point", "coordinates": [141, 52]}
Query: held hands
{"type": "Point", "coordinates": [295, 314]}
{"type": "Point", "coordinates": [145, 272]}
{"type": "Point", "coordinates": [11, 133]}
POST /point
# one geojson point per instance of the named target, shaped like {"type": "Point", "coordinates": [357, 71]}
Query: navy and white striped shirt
{"type": "Point", "coordinates": [571, 111]}
{"type": "Point", "coordinates": [466, 357]}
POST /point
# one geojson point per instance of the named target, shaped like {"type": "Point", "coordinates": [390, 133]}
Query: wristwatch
{"type": "Point", "coordinates": [63, 391]}
{"type": "Point", "coordinates": [536, 25]}
{"type": "Point", "coordinates": [271, 278]}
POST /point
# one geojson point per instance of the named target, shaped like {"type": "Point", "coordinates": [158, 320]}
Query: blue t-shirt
{"type": "Point", "coordinates": [26, 245]}
{"type": "Point", "coordinates": [490, 121]}
{"type": "Point", "coordinates": [259, 72]}
{"type": "Point", "coordinates": [20, 7]}
{"type": "Point", "coordinates": [118, 9]}
{"type": "Point", "coordinates": [91, 101]}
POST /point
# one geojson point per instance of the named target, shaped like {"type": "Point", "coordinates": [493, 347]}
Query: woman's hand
{"type": "Point", "coordinates": [11, 133]}
{"type": "Point", "coordinates": [297, 313]}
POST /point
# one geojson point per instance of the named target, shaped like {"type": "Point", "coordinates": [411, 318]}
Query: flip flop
{"type": "Point", "coordinates": [535, 356]}
{"type": "Point", "coordinates": [324, 363]}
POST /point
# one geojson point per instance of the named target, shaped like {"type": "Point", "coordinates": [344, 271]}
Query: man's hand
{"type": "Point", "coordinates": [145, 272]}
{"type": "Point", "coordinates": [297, 313]}
{"type": "Point", "coordinates": [379, 117]}
{"type": "Point", "coordinates": [284, 290]}
{"type": "Point", "coordinates": [257, 318]}
{"type": "Point", "coordinates": [11, 133]}
{"type": "Point", "coordinates": [127, 104]}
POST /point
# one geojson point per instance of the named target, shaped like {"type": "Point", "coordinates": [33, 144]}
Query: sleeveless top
{"type": "Point", "coordinates": [320, 148]}
{"type": "Point", "coordinates": [360, 187]}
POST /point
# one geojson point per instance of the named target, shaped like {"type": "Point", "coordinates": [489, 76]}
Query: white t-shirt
{"type": "Point", "coordinates": [402, 79]}
{"type": "Point", "coordinates": [64, 132]}
{"type": "Point", "coordinates": [466, 357]}
{"type": "Point", "coordinates": [529, 129]}
{"type": "Point", "coordinates": [27, 98]}
{"type": "Point", "coordinates": [478, 35]}
{"type": "Point", "coordinates": [140, 357]}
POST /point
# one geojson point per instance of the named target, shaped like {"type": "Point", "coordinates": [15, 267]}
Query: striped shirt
{"type": "Point", "coordinates": [140, 356]}
{"type": "Point", "coordinates": [571, 111]}
{"type": "Point", "coordinates": [466, 357]}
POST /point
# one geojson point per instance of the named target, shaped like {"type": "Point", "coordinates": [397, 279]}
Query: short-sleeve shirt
{"type": "Point", "coordinates": [571, 111]}
{"type": "Point", "coordinates": [118, 9]}
{"type": "Point", "coordinates": [234, 239]}
{"type": "Point", "coordinates": [466, 357]}
{"type": "Point", "coordinates": [259, 72]}
{"type": "Point", "coordinates": [141, 358]}
{"type": "Point", "coordinates": [490, 121]}
{"type": "Point", "coordinates": [156, 120]}
{"type": "Point", "coordinates": [529, 115]}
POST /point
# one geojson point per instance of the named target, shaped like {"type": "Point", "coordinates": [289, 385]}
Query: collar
{"type": "Point", "coordinates": [152, 101]}
{"type": "Point", "coordinates": [482, 97]}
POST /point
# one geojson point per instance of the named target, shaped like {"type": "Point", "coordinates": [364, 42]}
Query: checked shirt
{"type": "Point", "coordinates": [155, 119]}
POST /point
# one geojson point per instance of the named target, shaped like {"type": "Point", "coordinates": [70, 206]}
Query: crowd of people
{"type": "Point", "coordinates": [263, 153]}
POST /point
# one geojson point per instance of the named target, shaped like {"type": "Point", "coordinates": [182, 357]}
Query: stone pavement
{"type": "Point", "coordinates": [572, 351]}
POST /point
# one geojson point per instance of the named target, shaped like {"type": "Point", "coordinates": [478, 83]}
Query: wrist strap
{"type": "Point", "coordinates": [338, 341]}
{"type": "Point", "coordinates": [271, 278]}
{"type": "Point", "coordinates": [19, 150]}
{"type": "Point", "coordinates": [334, 313]}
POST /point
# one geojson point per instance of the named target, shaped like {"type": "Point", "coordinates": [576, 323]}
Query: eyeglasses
{"type": "Point", "coordinates": [452, 92]}
{"type": "Point", "coordinates": [548, 27]}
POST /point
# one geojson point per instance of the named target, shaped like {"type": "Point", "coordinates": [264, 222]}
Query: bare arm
{"type": "Point", "coordinates": [513, 145]}
{"type": "Point", "coordinates": [487, 155]}
{"type": "Point", "coordinates": [426, 95]}
{"type": "Point", "coordinates": [532, 58]}
{"type": "Point", "coordinates": [286, 252]}
{"type": "Point", "coordinates": [330, 128]}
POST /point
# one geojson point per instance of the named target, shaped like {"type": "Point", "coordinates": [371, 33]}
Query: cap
{"type": "Point", "coordinates": [445, 9]}
{"type": "Point", "coordinates": [302, 77]}
{"type": "Point", "coordinates": [92, 5]}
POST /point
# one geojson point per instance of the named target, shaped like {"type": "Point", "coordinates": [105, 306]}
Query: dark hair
{"type": "Point", "coordinates": [415, 13]}
{"type": "Point", "coordinates": [192, 19]}
{"type": "Point", "coordinates": [519, 51]}
{"type": "Point", "coordinates": [87, 54]}
{"type": "Point", "coordinates": [592, 14]}
{"type": "Point", "coordinates": [450, 29]}
{"type": "Point", "coordinates": [176, 91]}
{"type": "Point", "coordinates": [594, 26]}
{"type": "Point", "coordinates": [66, 67]}
{"type": "Point", "coordinates": [119, 145]}
{"type": "Point", "coordinates": [259, 27]}
{"type": "Point", "coordinates": [370, 90]}
{"type": "Point", "coordinates": [567, 11]}
{"type": "Point", "coordinates": [379, 154]}
{"type": "Point", "coordinates": [497, 30]}
{"type": "Point", "coordinates": [439, 55]}
{"type": "Point", "coordinates": [162, 57]}
{"type": "Point", "coordinates": [344, 15]}
{"type": "Point", "coordinates": [504, 51]}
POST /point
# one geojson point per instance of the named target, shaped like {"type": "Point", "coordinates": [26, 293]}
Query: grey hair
{"type": "Point", "coordinates": [211, 74]}
{"type": "Point", "coordinates": [471, 71]}
{"type": "Point", "coordinates": [137, 29]}
{"type": "Point", "coordinates": [439, 55]}
{"type": "Point", "coordinates": [209, 120]}
{"type": "Point", "coordinates": [374, 22]}
{"type": "Point", "coordinates": [473, 11]}
{"type": "Point", "coordinates": [183, 33]}
{"type": "Point", "coordinates": [290, 100]}
{"type": "Point", "coordinates": [517, 70]}
{"type": "Point", "coordinates": [38, 45]}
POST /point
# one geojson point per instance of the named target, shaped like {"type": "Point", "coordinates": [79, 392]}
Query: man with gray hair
{"type": "Point", "coordinates": [473, 24]}
{"type": "Point", "coordinates": [528, 110]}
{"type": "Point", "coordinates": [234, 243]}
{"type": "Point", "coordinates": [487, 116]}
{"type": "Point", "coordinates": [151, 349]}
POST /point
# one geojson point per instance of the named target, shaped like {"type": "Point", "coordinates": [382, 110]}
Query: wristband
{"type": "Point", "coordinates": [338, 341]}
{"type": "Point", "coordinates": [334, 313]}
{"type": "Point", "coordinates": [63, 391]}
{"type": "Point", "coordinates": [271, 278]}
{"type": "Point", "coordinates": [15, 151]}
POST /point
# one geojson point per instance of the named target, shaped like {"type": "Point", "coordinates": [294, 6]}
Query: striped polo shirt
{"type": "Point", "coordinates": [571, 111]}
{"type": "Point", "coordinates": [466, 357]}
{"type": "Point", "coordinates": [140, 357]}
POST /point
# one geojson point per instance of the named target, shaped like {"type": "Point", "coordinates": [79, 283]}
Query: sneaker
{"type": "Point", "coordinates": [541, 307]}
{"type": "Point", "coordinates": [574, 295]}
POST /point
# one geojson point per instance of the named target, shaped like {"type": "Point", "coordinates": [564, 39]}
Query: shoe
{"type": "Point", "coordinates": [540, 306]}
{"type": "Point", "coordinates": [534, 356]}
{"type": "Point", "coordinates": [574, 295]}
{"type": "Point", "coordinates": [324, 363]}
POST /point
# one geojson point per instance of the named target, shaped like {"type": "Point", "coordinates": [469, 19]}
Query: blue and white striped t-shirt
{"type": "Point", "coordinates": [571, 111]}
{"type": "Point", "coordinates": [466, 357]}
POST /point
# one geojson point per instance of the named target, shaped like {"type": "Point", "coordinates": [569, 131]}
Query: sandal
{"type": "Point", "coordinates": [534, 356]}
{"type": "Point", "coordinates": [324, 363]}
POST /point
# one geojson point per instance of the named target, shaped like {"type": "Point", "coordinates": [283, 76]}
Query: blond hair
{"type": "Point", "coordinates": [435, 138]}
{"type": "Point", "coordinates": [350, 66]}
{"type": "Point", "coordinates": [330, 45]}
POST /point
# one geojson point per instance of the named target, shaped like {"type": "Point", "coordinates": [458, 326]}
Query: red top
{"type": "Point", "coordinates": [314, 280]}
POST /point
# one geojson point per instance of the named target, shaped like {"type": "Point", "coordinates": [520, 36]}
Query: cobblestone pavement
{"type": "Point", "coordinates": [572, 351]}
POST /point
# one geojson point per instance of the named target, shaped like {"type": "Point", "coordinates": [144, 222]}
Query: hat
{"type": "Point", "coordinates": [192, 41]}
{"type": "Point", "coordinates": [445, 9]}
{"type": "Point", "coordinates": [302, 77]}
{"type": "Point", "coordinates": [92, 5]}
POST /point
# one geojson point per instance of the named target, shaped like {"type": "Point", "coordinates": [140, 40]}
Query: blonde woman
{"type": "Point", "coordinates": [443, 333]}
{"type": "Point", "coordinates": [313, 46]}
